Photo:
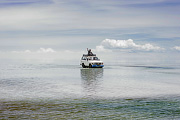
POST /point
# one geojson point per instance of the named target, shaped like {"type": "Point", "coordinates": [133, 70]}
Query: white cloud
{"type": "Point", "coordinates": [101, 48]}
{"type": "Point", "coordinates": [25, 51]}
{"type": "Point", "coordinates": [126, 44]}
{"type": "Point", "coordinates": [177, 48]}
{"type": "Point", "coordinates": [41, 50]}
{"type": "Point", "coordinates": [149, 47]}
{"type": "Point", "coordinates": [48, 50]}
{"type": "Point", "coordinates": [44, 55]}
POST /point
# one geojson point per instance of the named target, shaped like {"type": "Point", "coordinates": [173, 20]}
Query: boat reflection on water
{"type": "Point", "coordinates": [91, 80]}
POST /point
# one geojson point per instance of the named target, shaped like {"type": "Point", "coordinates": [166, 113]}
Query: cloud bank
{"type": "Point", "coordinates": [176, 48]}
{"type": "Point", "coordinates": [126, 44]}
{"type": "Point", "coordinates": [41, 50]}
{"type": "Point", "coordinates": [36, 23]}
{"type": "Point", "coordinates": [48, 50]}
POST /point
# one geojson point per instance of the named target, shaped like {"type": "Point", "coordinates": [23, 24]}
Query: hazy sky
{"type": "Point", "coordinates": [103, 25]}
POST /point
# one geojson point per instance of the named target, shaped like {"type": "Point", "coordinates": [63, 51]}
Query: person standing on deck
{"type": "Point", "coordinates": [89, 52]}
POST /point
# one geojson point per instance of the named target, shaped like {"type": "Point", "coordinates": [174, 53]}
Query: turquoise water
{"type": "Point", "coordinates": [118, 91]}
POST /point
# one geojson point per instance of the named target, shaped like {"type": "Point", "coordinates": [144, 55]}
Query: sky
{"type": "Point", "coordinates": [66, 27]}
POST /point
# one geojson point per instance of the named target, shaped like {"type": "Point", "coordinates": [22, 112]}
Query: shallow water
{"type": "Point", "coordinates": [92, 109]}
{"type": "Point", "coordinates": [54, 91]}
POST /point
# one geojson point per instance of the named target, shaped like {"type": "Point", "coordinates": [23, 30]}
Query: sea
{"type": "Point", "coordinates": [119, 91]}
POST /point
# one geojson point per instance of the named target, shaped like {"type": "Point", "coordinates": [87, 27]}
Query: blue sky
{"type": "Point", "coordinates": [68, 25]}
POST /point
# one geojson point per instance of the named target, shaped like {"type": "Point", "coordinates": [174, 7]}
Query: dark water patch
{"type": "Point", "coordinates": [91, 109]}
{"type": "Point", "coordinates": [152, 67]}
{"type": "Point", "coordinates": [173, 73]}
{"type": "Point", "coordinates": [17, 81]}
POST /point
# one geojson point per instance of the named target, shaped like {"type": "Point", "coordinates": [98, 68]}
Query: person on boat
{"type": "Point", "coordinates": [89, 52]}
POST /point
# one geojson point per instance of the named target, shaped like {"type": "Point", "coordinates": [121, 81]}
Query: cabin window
{"type": "Point", "coordinates": [83, 58]}
{"type": "Point", "coordinates": [90, 58]}
{"type": "Point", "coordinates": [95, 58]}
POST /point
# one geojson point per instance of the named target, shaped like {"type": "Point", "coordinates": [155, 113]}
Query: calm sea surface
{"type": "Point", "coordinates": [118, 91]}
